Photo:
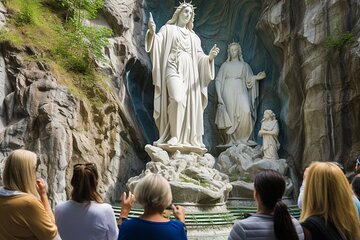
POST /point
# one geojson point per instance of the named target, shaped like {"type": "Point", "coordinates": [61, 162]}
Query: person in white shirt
{"type": "Point", "coordinates": [85, 216]}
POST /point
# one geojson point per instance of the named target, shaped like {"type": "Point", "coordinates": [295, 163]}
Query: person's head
{"type": "Point", "coordinates": [184, 13]}
{"type": "Point", "coordinates": [269, 188]}
{"type": "Point", "coordinates": [20, 171]}
{"type": "Point", "coordinates": [355, 184]}
{"type": "Point", "coordinates": [84, 182]}
{"type": "Point", "coordinates": [153, 192]}
{"type": "Point", "coordinates": [234, 51]}
{"type": "Point", "coordinates": [327, 191]}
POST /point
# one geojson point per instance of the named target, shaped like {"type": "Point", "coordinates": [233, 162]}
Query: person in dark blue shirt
{"type": "Point", "coordinates": [153, 192]}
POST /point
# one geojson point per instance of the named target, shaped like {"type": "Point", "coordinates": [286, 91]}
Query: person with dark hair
{"type": "Point", "coordinates": [85, 216]}
{"type": "Point", "coordinates": [355, 184]}
{"type": "Point", "coordinates": [272, 220]}
{"type": "Point", "coordinates": [25, 211]}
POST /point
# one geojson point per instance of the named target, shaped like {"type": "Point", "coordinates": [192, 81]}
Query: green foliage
{"type": "Point", "coordinates": [28, 13]}
{"type": "Point", "coordinates": [339, 40]}
{"type": "Point", "coordinates": [95, 39]}
{"type": "Point", "coordinates": [69, 47]}
{"type": "Point", "coordinates": [80, 9]}
{"type": "Point", "coordinates": [78, 44]}
{"type": "Point", "coordinates": [10, 37]}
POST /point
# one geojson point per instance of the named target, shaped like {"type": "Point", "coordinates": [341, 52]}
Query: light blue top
{"type": "Point", "coordinates": [82, 221]}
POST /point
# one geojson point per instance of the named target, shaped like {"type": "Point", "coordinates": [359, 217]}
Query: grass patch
{"type": "Point", "coordinates": [68, 49]}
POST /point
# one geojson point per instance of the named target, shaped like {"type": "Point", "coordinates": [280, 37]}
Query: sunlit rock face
{"type": "Point", "coordinates": [321, 80]}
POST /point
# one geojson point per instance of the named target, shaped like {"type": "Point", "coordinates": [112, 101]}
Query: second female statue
{"type": "Point", "coordinates": [181, 73]}
{"type": "Point", "coordinates": [237, 90]}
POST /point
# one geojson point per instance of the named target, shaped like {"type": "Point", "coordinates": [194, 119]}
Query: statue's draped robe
{"type": "Point", "coordinates": [239, 91]}
{"type": "Point", "coordinates": [193, 68]}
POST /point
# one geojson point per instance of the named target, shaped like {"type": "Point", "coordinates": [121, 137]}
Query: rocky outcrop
{"type": "Point", "coordinates": [320, 73]}
{"type": "Point", "coordinates": [41, 114]}
{"type": "Point", "coordinates": [63, 130]}
{"type": "Point", "coordinates": [241, 163]}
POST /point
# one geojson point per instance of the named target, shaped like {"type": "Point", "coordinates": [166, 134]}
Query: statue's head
{"type": "Point", "coordinates": [234, 48]}
{"type": "Point", "coordinates": [269, 115]}
{"type": "Point", "coordinates": [183, 7]}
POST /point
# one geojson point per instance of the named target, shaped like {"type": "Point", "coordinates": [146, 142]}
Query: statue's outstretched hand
{"type": "Point", "coordinates": [260, 75]}
{"type": "Point", "coordinates": [213, 52]}
{"type": "Point", "coordinates": [151, 24]}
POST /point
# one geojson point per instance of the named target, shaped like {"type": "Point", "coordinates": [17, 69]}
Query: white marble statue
{"type": "Point", "coordinates": [269, 132]}
{"type": "Point", "coordinates": [237, 90]}
{"type": "Point", "coordinates": [181, 73]}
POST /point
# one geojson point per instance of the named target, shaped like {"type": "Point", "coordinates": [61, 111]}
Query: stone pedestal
{"type": "Point", "coordinates": [242, 162]}
{"type": "Point", "coordinates": [191, 176]}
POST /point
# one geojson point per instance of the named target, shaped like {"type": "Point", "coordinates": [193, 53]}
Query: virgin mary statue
{"type": "Point", "coordinates": [237, 91]}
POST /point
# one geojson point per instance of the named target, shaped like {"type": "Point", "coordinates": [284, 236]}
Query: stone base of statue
{"type": "Point", "coordinates": [242, 162]}
{"type": "Point", "coordinates": [191, 176]}
{"type": "Point", "coordinates": [195, 185]}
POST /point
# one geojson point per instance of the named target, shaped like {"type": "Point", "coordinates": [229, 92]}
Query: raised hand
{"type": "Point", "coordinates": [41, 187]}
{"type": "Point", "coordinates": [179, 212]}
{"type": "Point", "coordinates": [213, 52]}
{"type": "Point", "coordinates": [126, 204]}
{"type": "Point", "coordinates": [151, 24]}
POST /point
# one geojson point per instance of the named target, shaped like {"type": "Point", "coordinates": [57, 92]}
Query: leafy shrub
{"type": "Point", "coordinates": [339, 40]}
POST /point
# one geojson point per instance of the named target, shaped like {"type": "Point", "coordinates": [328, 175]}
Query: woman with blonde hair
{"type": "Point", "coordinates": [328, 210]}
{"type": "Point", "coordinates": [153, 192]}
{"type": "Point", "coordinates": [23, 215]}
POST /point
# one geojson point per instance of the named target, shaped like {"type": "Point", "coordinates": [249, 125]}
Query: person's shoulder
{"type": "Point", "coordinates": [106, 208]}
{"type": "Point", "coordinates": [63, 205]}
{"type": "Point", "coordinates": [177, 223]}
{"type": "Point", "coordinates": [28, 199]}
{"type": "Point", "coordinates": [131, 223]}
{"type": "Point", "coordinates": [256, 221]}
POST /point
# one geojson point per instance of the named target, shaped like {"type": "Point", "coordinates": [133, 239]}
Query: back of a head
{"type": "Point", "coordinates": [327, 191]}
{"type": "Point", "coordinates": [20, 171]}
{"type": "Point", "coordinates": [153, 192]}
{"type": "Point", "coordinates": [84, 182]}
{"type": "Point", "coordinates": [270, 186]}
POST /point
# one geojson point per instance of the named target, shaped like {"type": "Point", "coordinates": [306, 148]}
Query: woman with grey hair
{"type": "Point", "coordinates": [153, 192]}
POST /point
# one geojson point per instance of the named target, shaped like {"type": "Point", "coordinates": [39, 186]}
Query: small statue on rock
{"type": "Point", "coordinates": [269, 132]}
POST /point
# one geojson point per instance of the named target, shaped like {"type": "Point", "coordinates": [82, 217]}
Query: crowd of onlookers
{"type": "Point", "coordinates": [330, 207]}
